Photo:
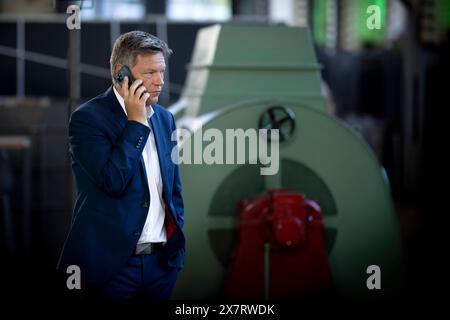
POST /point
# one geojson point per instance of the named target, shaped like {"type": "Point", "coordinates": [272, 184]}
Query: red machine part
{"type": "Point", "coordinates": [292, 226]}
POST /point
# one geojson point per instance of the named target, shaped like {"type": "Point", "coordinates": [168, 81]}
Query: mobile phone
{"type": "Point", "coordinates": [124, 72]}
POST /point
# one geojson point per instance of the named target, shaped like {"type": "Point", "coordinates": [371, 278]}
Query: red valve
{"type": "Point", "coordinates": [288, 218]}
{"type": "Point", "coordinates": [292, 226]}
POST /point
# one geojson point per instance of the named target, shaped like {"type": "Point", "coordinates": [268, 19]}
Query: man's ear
{"type": "Point", "coordinates": [116, 71]}
{"type": "Point", "coordinates": [117, 68]}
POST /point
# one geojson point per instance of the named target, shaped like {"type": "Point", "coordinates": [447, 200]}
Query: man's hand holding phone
{"type": "Point", "coordinates": [135, 97]}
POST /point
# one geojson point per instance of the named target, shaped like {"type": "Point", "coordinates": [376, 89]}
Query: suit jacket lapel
{"type": "Point", "coordinates": [142, 165]}
{"type": "Point", "coordinates": [115, 107]}
{"type": "Point", "coordinates": [160, 145]}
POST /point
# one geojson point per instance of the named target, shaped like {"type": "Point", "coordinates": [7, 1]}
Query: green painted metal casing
{"type": "Point", "coordinates": [234, 63]}
{"type": "Point", "coordinates": [237, 73]}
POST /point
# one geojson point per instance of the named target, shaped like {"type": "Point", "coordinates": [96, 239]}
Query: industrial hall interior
{"type": "Point", "coordinates": [309, 144]}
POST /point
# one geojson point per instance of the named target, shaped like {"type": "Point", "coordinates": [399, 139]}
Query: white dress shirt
{"type": "Point", "coordinates": [153, 230]}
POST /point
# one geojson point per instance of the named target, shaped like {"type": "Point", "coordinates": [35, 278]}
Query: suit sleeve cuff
{"type": "Point", "coordinates": [136, 134]}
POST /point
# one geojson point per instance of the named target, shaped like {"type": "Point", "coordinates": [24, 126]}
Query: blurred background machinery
{"type": "Point", "coordinates": [378, 91]}
{"type": "Point", "coordinates": [237, 75]}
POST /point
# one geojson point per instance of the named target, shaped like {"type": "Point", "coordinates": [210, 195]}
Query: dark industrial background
{"type": "Point", "coordinates": [391, 86]}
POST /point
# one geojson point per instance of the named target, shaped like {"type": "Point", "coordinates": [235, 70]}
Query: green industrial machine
{"type": "Point", "coordinates": [239, 77]}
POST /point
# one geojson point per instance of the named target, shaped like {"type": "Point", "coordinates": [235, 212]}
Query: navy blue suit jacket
{"type": "Point", "coordinates": [112, 192]}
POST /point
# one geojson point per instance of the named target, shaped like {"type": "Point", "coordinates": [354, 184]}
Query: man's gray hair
{"type": "Point", "coordinates": [130, 44]}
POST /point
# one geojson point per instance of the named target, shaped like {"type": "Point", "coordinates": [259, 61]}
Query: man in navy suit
{"type": "Point", "coordinates": [126, 233]}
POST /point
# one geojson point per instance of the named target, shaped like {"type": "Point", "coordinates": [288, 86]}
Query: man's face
{"type": "Point", "coordinates": [150, 69]}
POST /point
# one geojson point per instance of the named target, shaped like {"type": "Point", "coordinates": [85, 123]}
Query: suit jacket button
{"type": "Point", "coordinates": [137, 233]}
{"type": "Point", "coordinates": [145, 204]}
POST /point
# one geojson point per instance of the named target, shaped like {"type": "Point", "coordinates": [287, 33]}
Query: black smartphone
{"type": "Point", "coordinates": [124, 72]}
